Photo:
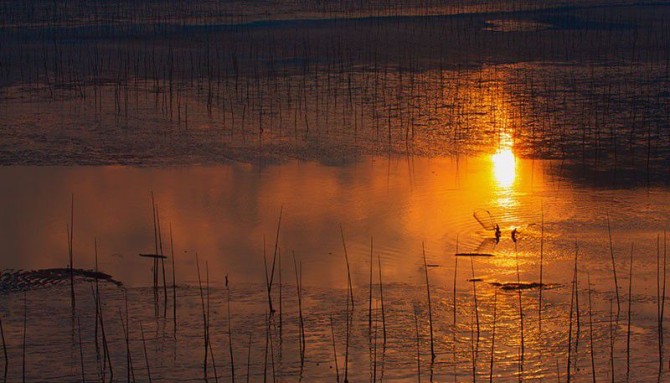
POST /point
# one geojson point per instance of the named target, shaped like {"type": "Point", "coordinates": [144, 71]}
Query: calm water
{"type": "Point", "coordinates": [225, 214]}
{"type": "Point", "coordinates": [377, 127]}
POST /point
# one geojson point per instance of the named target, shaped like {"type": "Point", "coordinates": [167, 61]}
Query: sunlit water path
{"type": "Point", "coordinates": [228, 215]}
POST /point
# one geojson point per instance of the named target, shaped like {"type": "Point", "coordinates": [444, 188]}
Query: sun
{"type": "Point", "coordinates": [504, 167]}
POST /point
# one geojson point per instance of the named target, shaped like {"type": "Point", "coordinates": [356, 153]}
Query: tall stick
{"type": "Point", "coordinates": [281, 323]}
{"type": "Point", "coordinates": [370, 293]}
{"type": "Point", "coordinates": [658, 305]}
{"type": "Point", "coordinates": [593, 360]}
{"type": "Point", "coordinates": [539, 306]}
{"type": "Point", "coordinates": [616, 282]}
{"type": "Point", "coordinates": [572, 302]}
{"type": "Point", "coordinates": [418, 349]}
{"type": "Point", "coordinates": [4, 351]}
{"type": "Point", "coordinates": [25, 325]}
{"type": "Point", "coordinates": [630, 305]}
{"type": "Point", "coordinates": [130, 359]}
{"type": "Point", "coordinates": [611, 325]}
{"type": "Point", "coordinates": [155, 266]}
{"type": "Point", "coordinates": [493, 335]}
{"type": "Point", "coordinates": [455, 329]}
{"type": "Point", "coordinates": [160, 243]}
{"type": "Point", "coordinates": [430, 310]}
{"type": "Point", "coordinates": [374, 339]}
{"type": "Point", "coordinates": [230, 336]}
{"type": "Point", "coordinates": [301, 323]}
{"type": "Point", "coordinates": [346, 258]}
{"type": "Point", "coordinates": [124, 327]}
{"type": "Point", "coordinates": [209, 340]}
{"type": "Point", "coordinates": [662, 310]}
{"type": "Point", "coordinates": [332, 334]}
{"type": "Point", "coordinates": [81, 352]}
{"type": "Point", "coordinates": [521, 327]}
{"type": "Point", "coordinates": [97, 305]}
{"type": "Point", "coordinates": [249, 357]}
{"type": "Point", "coordinates": [474, 294]}
{"type": "Point", "coordinates": [204, 319]}
{"type": "Point", "coordinates": [381, 297]}
{"type": "Point", "coordinates": [174, 284]}
{"type": "Point", "coordinates": [146, 357]}
{"type": "Point", "coordinates": [105, 346]}
{"type": "Point", "coordinates": [71, 236]}
{"type": "Point", "coordinates": [269, 278]}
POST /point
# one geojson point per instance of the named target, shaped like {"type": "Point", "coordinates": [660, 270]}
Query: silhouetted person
{"type": "Point", "coordinates": [514, 235]}
{"type": "Point", "coordinates": [498, 234]}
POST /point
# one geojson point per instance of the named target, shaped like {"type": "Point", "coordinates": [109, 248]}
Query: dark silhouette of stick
{"type": "Point", "coordinates": [430, 309]}
{"type": "Point", "coordinates": [593, 360]}
{"type": "Point", "coordinates": [174, 284]}
{"type": "Point", "coordinates": [230, 335]}
{"type": "Point", "coordinates": [105, 346]}
{"type": "Point", "coordinates": [374, 362]}
{"type": "Point", "coordinates": [539, 306]}
{"type": "Point", "coordinates": [630, 305]}
{"type": "Point", "coordinates": [4, 351]}
{"type": "Point", "coordinates": [127, 333]}
{"type": "Point", "coordinates": [249, 357]}
{"type": "Point", "coordinates": [370, 292]}
{"type": "Point", "coordinates": [332, 335]}
{"type": "Point", "coordinates": [572, 302]}
{"type": "Point", "coordinates": [474, 294]}
{"type": "Point", "coordinates": [146, 357]}
{"type": "Point", "coordinates": [301, 323]}
{"type": "Point", "coordinates": [25, 325]}
{"type": "Point", "coordinates": [611, 323]}
{"type": "Point", "coordinates": [521, 323]}
{"type": "Point", "coordinates": [204, 319]}
{"type": "Point", "coordinates": [160, 244]}
{"type": "Point", "coordinates": [616, 282]}
{"type": "Point", "coordinates": [346, 258]}
{"type": "Point", "coordinates": [81, 351]}
{"type": "Point", "coordinates": [269, 278]}
{"type": "Point", "coordinates": [97, 304]}
{"type": "Point", "coordinates": [281, 310]}
{"type": "Point", "coordinates": [71, 251]}
{"type": "Point", "coordinates": [661, 310]}
{"type": "Point", "coordinates": [208, 316]}
{"type": "Point", "coordinates": [381, 297]}
{"type": "Point", "coordinates": [155, 260]}
{"type": "Point", "coordinates": [418, 348]}
{"type": "Point", "coordinates": [493, 335]}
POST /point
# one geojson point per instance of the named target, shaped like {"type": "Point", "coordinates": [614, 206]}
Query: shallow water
{"type": "Point", "coordinates": [379, 127]}
{"type": "Point", "coordinates": [226, 213]}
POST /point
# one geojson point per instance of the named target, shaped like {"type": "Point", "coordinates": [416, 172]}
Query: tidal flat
{"type": "Point", "coordinates": [279, 190]}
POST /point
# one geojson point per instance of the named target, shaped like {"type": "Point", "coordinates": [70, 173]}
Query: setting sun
{"type": "Point", "coordinates": [504, 167]}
